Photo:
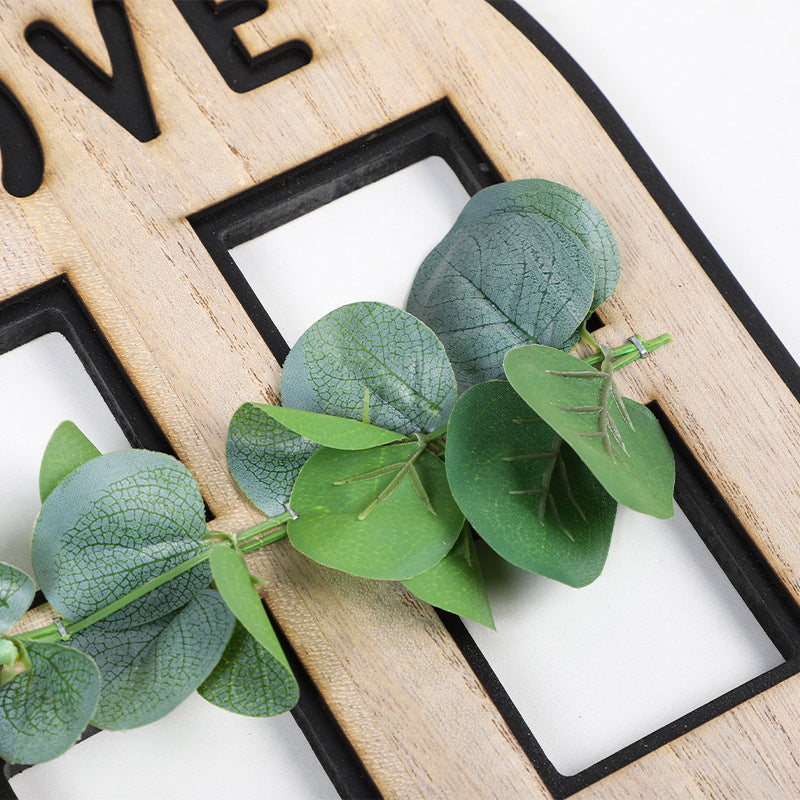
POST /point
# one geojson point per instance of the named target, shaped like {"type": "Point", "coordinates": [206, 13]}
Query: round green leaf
{"type": "Point", "coordinates": [265, 457]}
{"type": "Point", "coordinates": [249, 680]}
{"type": "Point", "coordinates": [526, 494]}
{"type": "Point", "coordinates": [618, 439]}
{"type": "Point", "coordinates": [456, 583]}
{"type": "Point", "coordinates": [67, 449]}
{"type": "Point", "coordinates": [44, 710]}
{"type": "Point", "coordinates": [16, 594]}
{"type": "Point", "coordinates": [340, 433]}
{"type": "Point", "coordinates": [113, 524]}
{"type": "Point", "coordinates": [373, 357]}
{"type": "Point", "coordinates": [403, 535]}
{"type": "Point", "coordinates": [149, 670]}
{"type": "Point", "coordinates": [564, 206]}
{"type": "Point", "coordinates": [500, 281]}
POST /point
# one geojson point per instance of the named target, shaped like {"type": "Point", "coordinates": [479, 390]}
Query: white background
{"type": "Point", "coordinates": [710, 89]}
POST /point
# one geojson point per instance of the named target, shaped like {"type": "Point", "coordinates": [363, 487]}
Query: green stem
{"type": "Point", "coordinates": [249, 540]}
{"type": "Point", "coordinates": [628, 352]}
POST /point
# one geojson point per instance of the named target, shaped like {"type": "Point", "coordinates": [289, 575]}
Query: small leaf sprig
{"type": "Point", "coordinates": [403, 438]}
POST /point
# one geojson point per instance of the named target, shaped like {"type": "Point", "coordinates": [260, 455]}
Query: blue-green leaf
{"type": "Point", "coordinates": [564, 206]}
{"type": "Point", "coordinates": [45, 709]}
{"type": "Point", "coordinates": [249, 680]}
{"type": "Point", "coordinates": [67, 449]}
{"type": "Point", "coordinates": [149, 670]}
{"type": "Point", "coordinates": [16, 594]}
{"type": "Point", "coordinates": [265, 457]}
{"type": "Point", "coordinates": [113, 524]}
{"type": "Point", "coordinates": [375, 362]}
{"type": "Point", "coordinates": [500, 281]}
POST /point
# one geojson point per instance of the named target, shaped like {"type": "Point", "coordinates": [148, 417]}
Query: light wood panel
{"type": "Point", "coordinates": [112, 215]}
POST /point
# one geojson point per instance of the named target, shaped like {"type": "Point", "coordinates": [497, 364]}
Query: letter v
{"type": "Point", "coordinates": [122, 95]}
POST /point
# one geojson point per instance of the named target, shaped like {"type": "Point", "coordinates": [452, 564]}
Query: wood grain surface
{"type": "Point", "coordinates": [111, 215]}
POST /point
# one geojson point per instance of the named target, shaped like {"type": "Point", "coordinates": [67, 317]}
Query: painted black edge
{"type": "Point", "coordinates": [433, 131]}
{"type": "Point", "coordinates": [655, 183]}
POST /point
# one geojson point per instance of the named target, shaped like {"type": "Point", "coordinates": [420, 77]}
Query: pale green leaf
{"type": "Point", "coordinates": [526, 494]}
{"type": "Point", "coordinates": [375, 352]}
{"type": "Point", "coordinates": [44, 710]}
{"type": "Point", "coordinates": [265, 457]}
{"type": "Point", "coordinates": [149, 670]}
{"type": "Point", "coordinates": [500, 281]}
{"type": "Point", "coordinates": [249, 680]}
{"type": "Point", "coordinates": [16, 594]}
{"type": "Point", "coordinates": [340, 433]}
{"type": "Point", "coordinates": [113, 524]}
{"type": "Point", "coordinates": [618, 439]}
{"type": "Point", "coordinates": [343, 522]}
{"type": "Point", "coordinates": [67, 449]}
{"type": "Point", "coordinates": [456, 583]}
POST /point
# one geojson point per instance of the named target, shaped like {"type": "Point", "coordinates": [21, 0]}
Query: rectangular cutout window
{"type": "Point", "coordinates": [671, 634]}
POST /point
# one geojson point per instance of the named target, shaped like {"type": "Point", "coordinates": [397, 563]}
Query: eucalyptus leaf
{"type": "Point", "coordinates": [339, 433]}
{"type": "Point", "coordinates": [564, 206]}
{"type": "Point", "coordinates": [618, 439]}
{"type": "Point", "coordinates": [456, 583]}
{"type": "Point", "coordinates": [526, 494]}
{"type": "Point", "coordinates": [67, 449]}
{"type": "Point", "coordinates": [16, 594]}
{"type": "Point", "coordinates": [265, 457]}
{"type": "Point", "coordinates": [249, 680]}
{"type": "Point", "coordinates": [499, 281]}
{"type": "Point", "coordinates": [234, 584]}
{"type": "Point", "coordinates": [113, 524]}
{"type": "Point", "coordinates": [347, 521]}
{"type": "Point", "coordinates": [44, 710]}
{"type": "Point", "coordinates": [371, 362]}
{"type": "Point", "coordinates": [149, 670]}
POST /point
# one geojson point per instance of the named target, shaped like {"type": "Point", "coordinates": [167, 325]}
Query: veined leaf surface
{"type": "Point", "coordinates": [67, 449]}
{"type": "Point", "coordinates": [16, 594]}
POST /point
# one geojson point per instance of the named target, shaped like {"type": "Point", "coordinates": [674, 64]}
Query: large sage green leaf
{"type": "Point", "coordinates": [500, 281]}
{"type": "Point", "coordinates": [113, 524]}
{"type": "Point", "coordinates": [249, 680]}
{"type": "Point", "coordinates": [564, 206]}
{"type": "Point", "coordinates": [45, 709]}
{"type": "Point", "coordinates": [617, 438]}
{"type": "Point", "coordinates": [375, 358]}
{"type": "Point", "coordinates": [149, 670]}
{"type": "Point", "coordinates": [265, 457]}
{"type": "Point", "coordinates": [456, 584]}
{"type": "Point", "coordinates": [67, 449]}
{"type": "Point", "coordinates": [529, 497]}
{"type": "Point", "coordinates": [346, 521]}
{"type": "Point", "coordinates": [16, 594]}
{"type": "Point", "coordinates": [340, 433]}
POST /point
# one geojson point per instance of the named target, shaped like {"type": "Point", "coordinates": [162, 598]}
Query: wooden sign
{"type": "Point", "coordinates": [141, 140]}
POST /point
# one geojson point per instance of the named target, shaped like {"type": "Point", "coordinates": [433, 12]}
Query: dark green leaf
{"type": "Point", "coordinates": [265, 457]}
{"type": "Point", "coordinates": [149, 670]}
{"type": "Point", "coordinates": [249, 680]}
{"type": "Point", "coordinates": [619, 439]}
{"type": "Point", "coordinates": [113, 524]}
{"type": "Point", "coordinates": [396, 538]}
{"type": "Point", "coordinates": [340, 433]}
{"type": "Point", "coordinates": [375, 357]}
{"type": "Point", "coordinates": [526, 494]}
{"type": "Point", "coordinates": [456, 584]}
{"type": "Point", "coordinates": [67, 449]}
{"type": "Point", "coordinates": [16, 593]}
{"type": "Point", "coordinates": [45, 709]}
{"type": "Point", "coordinates": [500, 281]}
{"type": "Point", "coordinates": [564, 206]}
